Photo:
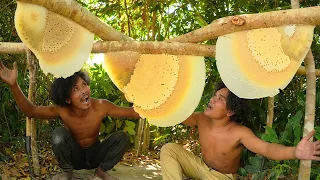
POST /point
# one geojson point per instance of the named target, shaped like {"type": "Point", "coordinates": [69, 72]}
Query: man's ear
{"type": "Point", "coordinates": [68, 101]}
{"type": "Point", "coordinates": [230, 113]}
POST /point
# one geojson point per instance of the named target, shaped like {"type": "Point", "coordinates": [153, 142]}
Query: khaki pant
{"type": "Point", "coordinates": [175, 160]}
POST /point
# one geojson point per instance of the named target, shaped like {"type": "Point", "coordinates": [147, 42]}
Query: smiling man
{"type": "Point", "coordinates": [222, 139]}
{"type": "Point", "coordinates": [76, 145]}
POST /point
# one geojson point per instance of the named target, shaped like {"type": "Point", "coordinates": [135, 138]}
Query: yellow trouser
{"type": "Point", "coordinates": [175, 160]}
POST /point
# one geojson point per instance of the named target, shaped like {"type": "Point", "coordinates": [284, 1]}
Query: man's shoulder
{"type": "Point", "coordinates": [239, 128]}
{"type": "Point", "coordinates": [201, 118]}
{"type": "Point", "coordinates": [99, 101]}
{"type": "Point", "coordinates": [242, 131]}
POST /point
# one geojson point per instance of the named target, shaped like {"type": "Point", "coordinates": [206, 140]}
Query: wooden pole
{"type": "Point", "coordinates": [31, 123]}
{"type": "Point", "coordinates": [270, 114]}
{"type": "Point", "coordinates": [146, 47]}
{"type": "Point", "coordinates": [305, 166]}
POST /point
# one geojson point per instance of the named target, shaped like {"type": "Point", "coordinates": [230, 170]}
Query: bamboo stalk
{"type": "Point", "coordinates": [31, 123]}
{"type": "Point", "coordinates": [140, 136]}
{"type": "Point", "coordinates": [146, 137]}
{"type": "Point", "coordinates": [270, 114]}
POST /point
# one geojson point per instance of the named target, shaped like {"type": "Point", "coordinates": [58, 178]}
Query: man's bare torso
{"type": "Point", "coordinates": [85, 130]}
{"type": "Point", "coordinates": [221, 147]}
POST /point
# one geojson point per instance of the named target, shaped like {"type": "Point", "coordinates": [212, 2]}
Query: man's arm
{"type": "Point", "coordinates": [279, 152]}
{"type": "Point", "coordinates": [115, 111]}
{"type": "Point", "coordinates": [10, 77]}
{"type": "Point", "coordinates": [193, 119]}
{"type": "Point", "coordinates": [29, 109]}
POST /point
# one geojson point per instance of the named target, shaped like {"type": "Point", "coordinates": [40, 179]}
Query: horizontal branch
{"type": "Point", "coordinates": [151, 47]}
{"type": "Point", "coordinates": [302, 71]}
{"type": "Point", "coordinates": [144, 47]}
{"type": "Point", "coordinates": [226, 25]}
{"type": "Point", "coordinates": [75, 12]}
{"type": "Point", "coordinates": [13, 48]}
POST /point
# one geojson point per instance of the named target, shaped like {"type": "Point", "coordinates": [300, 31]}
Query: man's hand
{"type": "Point", "coordinates": [7, 75]}
{"type": "Point", "coordinates": [307, 150]}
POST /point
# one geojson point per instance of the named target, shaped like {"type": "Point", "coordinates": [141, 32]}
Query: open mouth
{"type": "Point", "coordinates": [209, 106]}
{"type": "Point", "coordinates": [85, 99]}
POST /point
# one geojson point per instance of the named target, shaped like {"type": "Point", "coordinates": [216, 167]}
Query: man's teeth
{"type": "Point", "coordinates": [86, 99]}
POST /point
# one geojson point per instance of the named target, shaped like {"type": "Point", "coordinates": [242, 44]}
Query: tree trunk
{"type": "Point", "coordinates": [31, 123]}
{"type": "Point", "coordinates": [305, 166]}
{"type": "Point", "coordinates": [270, 114]}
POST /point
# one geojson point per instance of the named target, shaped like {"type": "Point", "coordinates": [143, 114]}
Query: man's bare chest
{"type": "Point", "coordinates": [222, 145]}
{"type": "Point", "coordinates": [76, 124]}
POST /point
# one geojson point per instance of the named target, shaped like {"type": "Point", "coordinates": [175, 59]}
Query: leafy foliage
{"type": "Point", "coordinates": [102, 87]}
{"type": "Point", "coordinates": [160, 20]}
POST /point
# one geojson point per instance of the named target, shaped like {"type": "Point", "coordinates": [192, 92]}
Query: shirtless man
{"type": "Point", "coordinates": [222, 140]}
{"type": "Point", "coordinates": [76, 145]}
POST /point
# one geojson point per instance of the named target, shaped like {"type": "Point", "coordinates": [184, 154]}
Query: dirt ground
{"type": "Point", "coordinates": [123, 172]}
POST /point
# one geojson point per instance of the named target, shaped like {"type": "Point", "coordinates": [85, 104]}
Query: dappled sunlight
{"type": "Point", "coordinates": [95, 58]}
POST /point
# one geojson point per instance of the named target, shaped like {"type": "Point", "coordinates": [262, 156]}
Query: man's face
{"type": "Point", "coordinates": [80, 95]}
{"type": "Point", "coordinates": [217, 107]}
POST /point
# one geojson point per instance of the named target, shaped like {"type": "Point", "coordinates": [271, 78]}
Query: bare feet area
{"type": "Point", "coordinates": [123, 172]}
{"type": "Point", "coordinates": [144, 167]}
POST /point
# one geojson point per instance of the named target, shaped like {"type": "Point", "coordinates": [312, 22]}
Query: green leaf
{"type": "Point", "coordinates": [272, 173]}
{"type": "Point", "coordinates": [263, 174]}
{"type": "Point", "coordinates": [102, 128]}
{"type": "Point", "coordinates": [284, 136]}
{"type": "Point", "coordinates": [297, 133]}
{"type": "Point", "coordinates": [317, 135]}
{"type": "Point", "coordinates": [256, 177]}
{"type": "Point", "coordinates": [160, 138]}
{"type": "Point", "coordinates": [296, 119]}
{"type": "Point", "coordinates": [130, 124]}
{"type": "Point", "coordinates": [201, 21]}
{"type": "Point", "coordinates": [270, 135]}
{"type": "Point", "coordinates": [119, 123]}
{"type": "Point", "coordinates": [110, 127]}
{"type": "Point", "coordinates": [255, 161]}
{"type": "Point", "coordinates": [242, 172]}
{"type": "Point", "coordinates": [131, 131]}
{"type": "Point", "coordinates": [252, 169]}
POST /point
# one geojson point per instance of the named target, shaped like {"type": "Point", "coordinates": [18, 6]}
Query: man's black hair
{"type": "Point", "coordinates": [61, 87]}
{"type": "Point", "coordinates": [239, 106]}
